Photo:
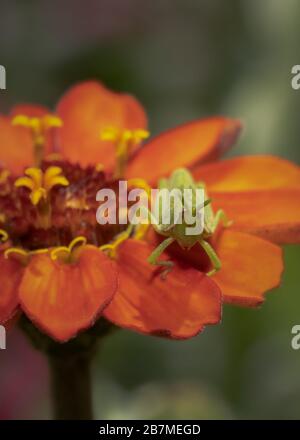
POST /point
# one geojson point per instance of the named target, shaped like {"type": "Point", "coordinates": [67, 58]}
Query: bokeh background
{"type": "Point", "coordinates": [183, 59]}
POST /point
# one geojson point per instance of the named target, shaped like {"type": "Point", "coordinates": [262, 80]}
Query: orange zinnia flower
{"type": "Point", "coordinates": [54, 261]}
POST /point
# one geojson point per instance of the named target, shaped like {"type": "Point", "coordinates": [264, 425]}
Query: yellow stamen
{"type": "Point", "coordinates": [3, 236]}
{"type": "Point", "coordinates": [53, 176]}
{"type": "Point", "coordinates": [17, 251]}
{"type": "Point", "coordinates": [18, 254]}
{"type": "Point", "coordinates": [140, 183]}
{"type": "Point", "coordinates": [55, 254]}
{"type": "Point", "coordinates": [77, 242]}
{"type": "Point", "coordinates": [106, 247]}
{"type": "Point", "coordinates": [39, 126]}
{"type": "Point", "coordinates": [22, 255]}
{"type": "Point", "coordinates": [99, 167]}
{"type": "Point", "coordinates": [4, 175]}
{"type": "Point", "coordinates": [39, 251]}
{"type": "Point", "coordinates": [65, 253]}
{"type": "Point", "coordinates": [36, 175]}
{"type": "Point", "coordinates": [113, 247]}
{"type": "Point", "coordinates": [141, 229]}
{"type": "Point", "coordinates": [125, 141]}
{"type": "Point", "coordinates": [40, 184]}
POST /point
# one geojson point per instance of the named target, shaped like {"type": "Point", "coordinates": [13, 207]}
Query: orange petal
{"type": "Point", "coordinates": [12, 322]}
{"type": "Point", "coordinates": [250, 267]}
{"type": "Point", "coordinates": [184, 146]}
{"type": "Point", "coordinates": [16, 149]}
{"type": "Point", "coordinates": [31, 110]}
{"type": "Point", "coordinates": [178, 307]}
{"type": "Point", "coordinates": [63, 299]}
{"type": "Point", "coordinates": [86, 110]}
{"type": "Point", "coordinates": [249, 173]}
{"type": "Point", "coordinates": [11, 273]}
{"type": "Point", "coordinates": [274, 215]}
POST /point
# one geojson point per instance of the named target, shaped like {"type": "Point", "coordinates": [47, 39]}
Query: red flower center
{"type": "Point", "coordinates": [72, 214]}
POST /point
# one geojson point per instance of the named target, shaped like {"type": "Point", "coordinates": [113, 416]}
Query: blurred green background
{"type": "Point", "coordinates": [183, 59]}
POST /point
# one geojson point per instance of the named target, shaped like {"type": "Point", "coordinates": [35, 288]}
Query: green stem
{"type": "Point", "coordinates": [70, 365]}
{"type": "Point", "coordinates": [71, 386]}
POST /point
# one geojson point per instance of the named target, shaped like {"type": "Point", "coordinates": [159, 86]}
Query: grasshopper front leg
{"type": "Point", "coordinates": [153, 258]}
{"type": "Point", "coordinates": [212, 256]}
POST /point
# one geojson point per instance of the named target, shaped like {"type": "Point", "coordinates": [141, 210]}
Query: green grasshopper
{"type": "Point", "coordinates": [182, 179]}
